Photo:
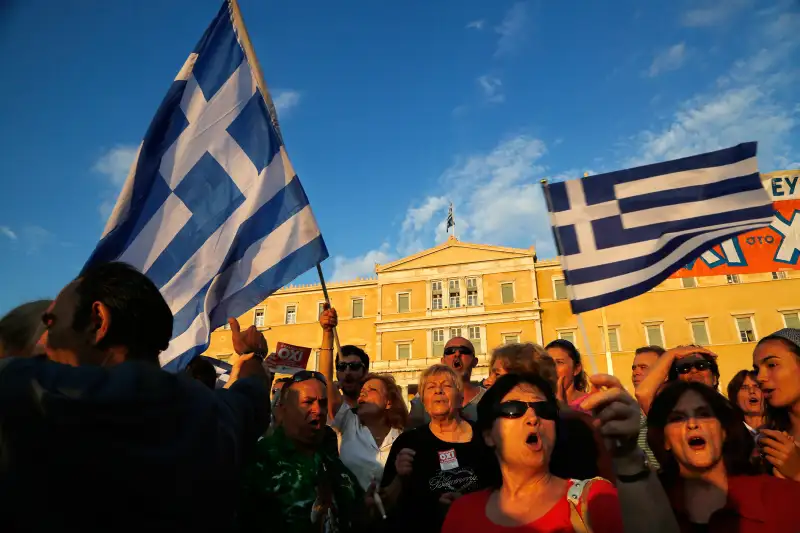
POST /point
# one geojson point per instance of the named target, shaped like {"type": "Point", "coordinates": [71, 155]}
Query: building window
{"type": "Point", "coordinates": [733, 279]}
{"type": "Point", "coordinates": [792, 320]}
{"type": "Point", "coordinates": [559, 289]}
{"type": "Point", "coordinates": [455, 294]}
{"type": "Point", "coordinates": [654, 334]}
{"type": "Point", "coordinates": [779, 275]}
{"type": "Point", "coordinates": [567, 336]}
{"type": "Point", "coordinates": [436, 294]}
{"type": "Point", "coordinates": [358, 308]}
{"type": "Point", "coordinates": [403, 302]}
{"type": "Point", "coordinates": [510, 339]}
{"type": "Point", "coordinates": [455, 332]}
{"type": "Point", "coordinates": [291, 314]}
{"type": "Point", "coordinates": [437, 336]}
{"type": "Point", "coordinates": [700, 332]}
{"type": "Point", "coordinates": [472, 291]}
{"type": "Point", "coordinates": [259, 318]}
{"type": "Point", "coordinates": [689, 283]}
{"type": "Point", "coordinates": [475, 338]}
{"type": "Point", "coordinates": [507, 292]}
{"type": "Point", "coordinates": [747, 331]}
{"type": "Point", "coordinates": [613, 339]}
{"type": "Point", "coordinates": [320, 309]}
{"type": "Point", "coordinates": [404, 351]}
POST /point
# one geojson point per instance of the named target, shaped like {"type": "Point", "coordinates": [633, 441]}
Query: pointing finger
{"type": "Point", "coordinates": [234, 324]}
{"type": "Point", "coordinates": [605, 380]}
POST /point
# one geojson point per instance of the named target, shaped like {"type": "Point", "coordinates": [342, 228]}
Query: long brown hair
{"type": "Point", "coordinates": [397, 414]}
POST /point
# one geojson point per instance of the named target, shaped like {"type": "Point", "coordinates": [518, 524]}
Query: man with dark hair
{"type": "Point", "coordinates": [203, 371]}
{"type": "Point", "coordinates": [108, 441]}
{"type": "Point", "coordinates": [351, 368]}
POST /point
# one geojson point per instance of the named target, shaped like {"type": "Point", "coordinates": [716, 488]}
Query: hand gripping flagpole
{"type": "Point", "coordinates": [328, 301]}
{"type": "Point", "coordinates": [560, 249]}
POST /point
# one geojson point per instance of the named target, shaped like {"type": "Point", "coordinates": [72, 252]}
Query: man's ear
{"type": "Point", "coordinates": [474, 361]}
{"type": "Point", "coordinates": [100, 321]}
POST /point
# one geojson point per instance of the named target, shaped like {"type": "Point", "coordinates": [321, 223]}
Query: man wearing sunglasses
{"type": "Point", "coordinates": [351, 368]}
{"type": "Point", "coordinates": [685, 363]}
{"type": "Point", "coordinates": [459, 354]}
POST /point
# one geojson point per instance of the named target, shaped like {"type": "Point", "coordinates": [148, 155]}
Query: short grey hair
{"type": "Point", "coordinates": [438, 370]}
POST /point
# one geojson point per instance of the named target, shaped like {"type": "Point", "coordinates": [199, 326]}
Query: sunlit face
{"type": "Point", "coordinates": [440, 396]}
{"type": "Point", "coordinates": [459, 354]}
{"type": "Point", "coordinates": [498, 369]}
{"type": "Point", "coordinates": [641, 366]}
{"type": "Point", "coordinates": [565, 367]}
{"type": "Point", "coordinates": [527, 441]}
{"type": "Point", "coordinates": [694, 435]}
{"type": "Point", "coordinates": [373, 399]}
{"type": "Point", "coordinates": [691, 371]}
{"type": "Point", "coordinates": [750, 399]}
{"type": "Point", "coordinates": [350, 376]}
{"type": "Point", "coordinates": [778, 373]}
{"type": "Point", "coordinates": [304, 412]}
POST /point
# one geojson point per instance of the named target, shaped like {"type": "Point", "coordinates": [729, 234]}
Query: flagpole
{"type": "Point", "coordinates": [250, 54]}
{"type": "Point", "coordinates": [581, 326]}
{"type": "Point", "coordinates": [328, 301]}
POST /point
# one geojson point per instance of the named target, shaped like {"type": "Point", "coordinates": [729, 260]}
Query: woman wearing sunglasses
{"type": "Point", "coordinates": [519, 419]}
{"type": "Point", "coordinates": [704, 449]}
{"type": "Point", "coordinates": [432, 465]}
{"type": "Point", "coordinates": [684, 363]}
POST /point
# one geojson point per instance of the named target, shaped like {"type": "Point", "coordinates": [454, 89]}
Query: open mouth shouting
{"type": "Point", "coordinates": [753, 401]}
{"type": "Point", "coordinates": [315, 423]}
{"type": "Point", "coordinates": [457, 364]}
{"type": "Point", "coordinates": [534, 441]}
{"type": "Point", "coordinates": [697, 443]}
{"type": "Point", "coordinates": [767, 392]}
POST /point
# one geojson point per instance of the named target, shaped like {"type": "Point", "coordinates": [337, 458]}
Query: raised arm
{"type": "Point", "coordinates": [643, 503]}
{"type": "Point", "coordinates": [328, 320]}
{"type": "Point", "coordinates": [648, 388]}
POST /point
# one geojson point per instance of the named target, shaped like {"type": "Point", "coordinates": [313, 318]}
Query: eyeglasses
{"type": "Point", "coordinates": [354, 366]}
{"type": "Point", "coordinates": [451, 350]}
{"type": "Point", "coordinates": [305, 375]}
{"type": "Point", "coordinates": [685, 368]}
{"type": "Point", "coordinates": [517, 408]}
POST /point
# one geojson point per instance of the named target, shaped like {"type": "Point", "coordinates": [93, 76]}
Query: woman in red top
{"type": "Point", "coordinates": [704, 449]}
{"type": "Point", "coordinates": [519, 417]}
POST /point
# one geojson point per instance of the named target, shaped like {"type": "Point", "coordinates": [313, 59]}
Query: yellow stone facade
{"type": "Point", "coordinates": [403, 315]}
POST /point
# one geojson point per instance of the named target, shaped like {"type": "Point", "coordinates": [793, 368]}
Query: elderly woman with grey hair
{"type": "Point", "coordinates": [21, 328]}
{"type": "Point", "coordinates": [430, 466]}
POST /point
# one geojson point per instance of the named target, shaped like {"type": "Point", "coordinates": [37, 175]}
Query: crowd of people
{"type": "Point", "coordinates": [94, 436]}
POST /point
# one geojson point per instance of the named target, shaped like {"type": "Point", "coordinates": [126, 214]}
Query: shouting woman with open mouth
{"type": "Point", "coordinates": [704, 449]}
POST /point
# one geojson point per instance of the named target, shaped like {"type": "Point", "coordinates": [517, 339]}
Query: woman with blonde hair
{"type": "Point", "coordinates": [432, 465]}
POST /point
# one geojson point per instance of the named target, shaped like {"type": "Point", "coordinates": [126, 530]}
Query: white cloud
{"type": "Point", "coordinates": [476, 25]}
{"type": "Point", "coordinates": [670, 59]}
{"type": "Point", "coordinates": [512, 29]}
{"type": "Point", "coordinates": [5, 230]}
{"type": "Point", "coordinates": [497, 199]}
{"type": "Point", "coordinates": [716, 13]}
{"type": "Point", "coordinates": [349, 268]}
{"type": "Point", "coordinates": [114, 165]}
{"type": "Point", "coordinates": [35, 238]}
{"type": "Point", "coordinates": [285, 100]}
{"type": "Point", "coordinates": [492, 88]}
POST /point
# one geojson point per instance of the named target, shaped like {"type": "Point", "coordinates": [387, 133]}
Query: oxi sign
{"type": "Point", "coordinates": [770, 249]}
{"type": "Point", "coordinates": [288, 358]}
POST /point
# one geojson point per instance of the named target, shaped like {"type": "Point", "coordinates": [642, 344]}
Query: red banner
{"type": "Point", "coordinates": [770, 249]}
{"type": "Point", "coordinates": [288, 358]}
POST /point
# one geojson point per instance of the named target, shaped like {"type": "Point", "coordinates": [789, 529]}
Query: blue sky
{"type": "Point", "coordinates": [389, 110]}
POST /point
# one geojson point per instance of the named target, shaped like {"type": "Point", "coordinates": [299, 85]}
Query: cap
{"type": "Point", "coordinates": [791, 335]}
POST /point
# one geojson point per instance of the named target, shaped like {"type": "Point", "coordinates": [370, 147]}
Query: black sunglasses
{"type": "Point", "coordinates": [305, 375]}
{"type": "Point", "coordinates": [685, 368]}
{"type": "Point", "coordinates": [354, 366]}
{"type": "Point", "coordinates": [518, 408]}
{"type": "Point", "coordinates": [451, 350]}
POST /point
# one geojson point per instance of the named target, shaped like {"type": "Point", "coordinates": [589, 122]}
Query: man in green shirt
{"type": "Point", "coordinates": [294, 484]}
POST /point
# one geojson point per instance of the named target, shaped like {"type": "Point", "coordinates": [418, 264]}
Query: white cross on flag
{"type": "Point", "coordinates": [212, 210]}
{"type": "Point", "coordinates": [622, 233]}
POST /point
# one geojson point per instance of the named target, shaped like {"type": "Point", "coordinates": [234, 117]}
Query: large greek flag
{"type": "Point", "coordinates": [212, 210]}
{"type": "Point", "coordinates": [620, 234]}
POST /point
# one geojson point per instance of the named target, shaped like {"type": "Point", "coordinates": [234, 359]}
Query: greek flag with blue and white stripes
{"type": "Point", "coordinates": [622, 233]}
{"type": "Point", "coordinates": [212, 210]}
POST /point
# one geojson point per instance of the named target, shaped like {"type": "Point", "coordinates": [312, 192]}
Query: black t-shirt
{"type": "Point", "coordinates": [439, 467]}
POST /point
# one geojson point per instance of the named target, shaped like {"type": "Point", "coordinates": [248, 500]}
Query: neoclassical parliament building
{"type": "Point", "coordinates": [493, 295]}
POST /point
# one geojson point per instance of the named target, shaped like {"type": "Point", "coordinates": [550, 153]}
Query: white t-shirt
{"type": "Point", "coordinates": [358, 450]}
